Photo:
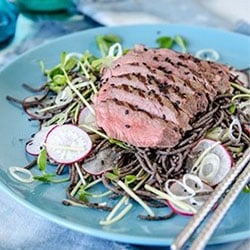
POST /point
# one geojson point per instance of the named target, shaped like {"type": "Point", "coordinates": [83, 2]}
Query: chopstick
{"type": "Point", "coordinates": [197, 219]}
{"type": "Point", "coordinates": [217, 216]}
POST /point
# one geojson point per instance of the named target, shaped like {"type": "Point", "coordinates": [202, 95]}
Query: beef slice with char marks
{"type": "Point", "coordinates": [149, 97]}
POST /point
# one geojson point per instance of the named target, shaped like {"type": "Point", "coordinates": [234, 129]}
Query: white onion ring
{"type": "Point", "coordinates": [190, 191]}
{"type": "Point", "coordinates": [115, 51]}
{"type": "Point", "coordinates": [208, 55]}
{"type": "Point", "coordinates": [14, 170]}
{"type": "Point", "coordinates": [233, 123]}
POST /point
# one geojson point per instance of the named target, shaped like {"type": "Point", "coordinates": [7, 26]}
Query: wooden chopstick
{"type": "Point", "coordinates": [196, 220]}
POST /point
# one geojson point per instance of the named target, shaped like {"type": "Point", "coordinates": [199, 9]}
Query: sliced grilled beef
{"type": "Point", "coordinates": [154, 104]}
{"type": "Point", "coordinates": [149, 97]}
{"type": "Point", "coordinates": [134, 126]}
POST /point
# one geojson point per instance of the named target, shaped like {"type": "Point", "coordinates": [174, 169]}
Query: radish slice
{"type": "Point", "coordinates": [67, 144]}
{"type": "Point", "coordinates": [64, 97]}
{"type": "Point", "coordinates": [103, 162]}
{"type": "Point", "coordinates": [178, 190]}
{"type": "Point", "coordinates": [35, 144]}
{"type": "Point", "coordinates": [215, 165]}
{"type": "Point", "coordinates": [195, 201]}
{"type": "Point", "coordinates": [35, 98]}
{"type": "Point", "coordinates": [193, 182]}
{"type": "Point", "coordinates": [209, 167]}
{"type": "Point", "coordinates": [34, 112]}
{"type": "Point", "coordinates": [182, 211]}
{"type": "Point", "coordinates": [86, 117]}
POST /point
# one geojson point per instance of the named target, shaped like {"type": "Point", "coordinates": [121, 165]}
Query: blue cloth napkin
{"type": "Point", "coordinates": [230, 15]}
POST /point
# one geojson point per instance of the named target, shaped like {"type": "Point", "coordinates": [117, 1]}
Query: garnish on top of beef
{"type": "Point", "coordinates": [149, 97]}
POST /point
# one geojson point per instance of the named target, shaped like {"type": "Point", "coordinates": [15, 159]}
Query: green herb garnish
{"type": "Point", "coordinates": [168, 42]}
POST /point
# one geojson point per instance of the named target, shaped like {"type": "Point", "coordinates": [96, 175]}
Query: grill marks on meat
{"type": "Point", "coordinates": [149, 96]}
{"type": "Point", "coordinates": [125, 122]}
{"type": "Point", "coordinates": [147, 100]}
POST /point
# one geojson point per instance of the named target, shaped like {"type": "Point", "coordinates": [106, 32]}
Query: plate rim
{"type": "Point", "coordinates": [140, 240]}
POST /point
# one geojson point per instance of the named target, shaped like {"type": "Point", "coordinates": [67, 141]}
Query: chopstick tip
{"type": "Point", "coordinates": [174, 246]}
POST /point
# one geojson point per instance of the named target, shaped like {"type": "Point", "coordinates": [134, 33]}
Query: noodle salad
{"type": "Point", "coordinates": [181, 177]}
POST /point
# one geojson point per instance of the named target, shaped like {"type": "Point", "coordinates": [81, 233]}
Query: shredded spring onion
{"type": "Point", "coordinates": [116, 208]}
{"type": "Point", "coordinates": [117, 217]}
{"type": "Point", "coordinates": [80, 174]}
{"type": "Point", "coordinates": [136, 198]}
{"type": "Point", "coordinates": [241, 88]}
{"type": "Point", "coordinates": [77, 92]}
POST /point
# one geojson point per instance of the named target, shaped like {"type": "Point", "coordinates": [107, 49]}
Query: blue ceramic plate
{"type": "Point", "coordinates": [45, 199]}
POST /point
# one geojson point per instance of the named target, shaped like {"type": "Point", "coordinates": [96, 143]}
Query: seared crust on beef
{"type": "Point", "coordinates": [149, 96]}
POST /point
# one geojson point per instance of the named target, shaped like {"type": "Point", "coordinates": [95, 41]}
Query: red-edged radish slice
{"type": "Point", "coordinates": [67, 144]}
{"type": "Point", "coordinates": [33, 105]}
{"type": "Point", "coordinates": [34, 98]}
{"type": "Point", "coordinates": [35, 144]}
{"type": "Point", "coordinates": [86, 117]}
{"type": "Point", "coordinates": [103, 162]}
{"type": "Point", "coordinates": [216, 164]}
{"type": "Point", "coordinates": [194, 201]}
{"type": "Point", "coordinates": [34, 112]}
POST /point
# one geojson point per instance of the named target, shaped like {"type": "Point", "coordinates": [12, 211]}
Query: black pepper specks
{"type": "Point", "coordinates": [127, 126]}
